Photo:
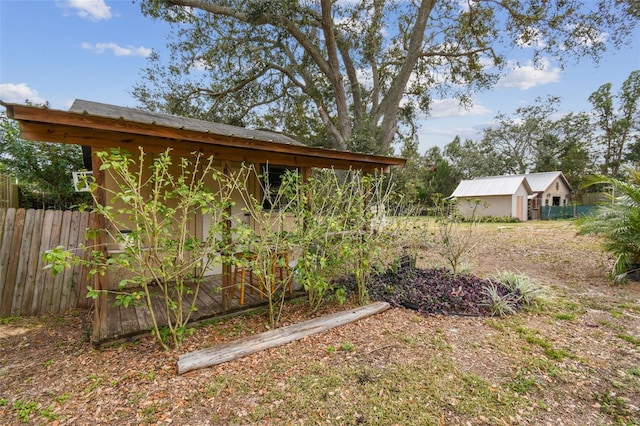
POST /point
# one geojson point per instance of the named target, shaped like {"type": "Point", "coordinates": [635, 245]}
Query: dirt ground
{"type": "Point", "coordinates": [576, 358]}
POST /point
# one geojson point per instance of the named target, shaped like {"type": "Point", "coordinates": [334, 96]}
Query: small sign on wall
{"type": "Point", "coordinates": [81, 180]}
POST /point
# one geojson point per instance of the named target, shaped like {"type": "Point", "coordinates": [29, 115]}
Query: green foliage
{"type": "Point", "coordinates": [532, 139]}
{"type": "Point", "coordinates": [498, 219]}
{"type": "Point", "coordinates": [509, 291]}
{"type": "Point", "coordinates": [498, 303]}
{"type": "Point", "coordinates": [156, 200]}
{"type": "Point", "coordinates": [331, 221]}
{"type": "Point", "coordinates": [454, 236]}
{"type": "Point", "coordinates": [366, 68]}
{"type": "Point", "coordinates": [43, 170]}
{"type": "Point", "coordinates": [618, 125]}
{"type": "Point", "coordinates": [24, 409]}
{"type": "Point", "coordinates": [523, 383]}
{"type": "Point", "coordinates": [615, 406]}
{"type": "Point", "coordinates": [348, 347]}
{"type": "Point", "coordinates": [524, 288]}
{"type": "Point", "coordinates": [618, 222]}
{"type": "Point", "coordinates": [629, 338]}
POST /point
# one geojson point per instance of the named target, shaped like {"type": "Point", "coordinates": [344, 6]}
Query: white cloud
{"type": "Point", "coordinates": [117, 50]}
{"type": "Point", "coordinates": [442, 108]}
{"type": "Point", "coordinates": [19, 93]}
{"type": "Point", "coordinates": [94, 10]}
{"type": "Point", "coordinates": [527, 76]}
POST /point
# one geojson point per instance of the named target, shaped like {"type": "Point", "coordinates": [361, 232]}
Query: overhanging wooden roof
{"type": "Point", "coordinates": [109, 126]}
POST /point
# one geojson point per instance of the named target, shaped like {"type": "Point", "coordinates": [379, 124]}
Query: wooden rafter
{"type": "Point", "coordinates": [128, 128]}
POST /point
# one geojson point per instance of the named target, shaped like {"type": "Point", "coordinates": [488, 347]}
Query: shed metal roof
{"type": "Point", "coordinates": [496, 185]}
{"type": "Point", "coordinates": [540, 182]}
{"type": "Point", "coordinates": [183, 123]}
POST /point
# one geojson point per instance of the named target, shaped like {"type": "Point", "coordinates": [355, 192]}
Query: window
{"type": "Point", "coordinates": [557, 186]}
{"type": "Point", "coordinates": [271, 180]}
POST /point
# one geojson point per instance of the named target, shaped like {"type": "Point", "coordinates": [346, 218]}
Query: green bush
{"type": "Point", "coordinates": [618, 222]}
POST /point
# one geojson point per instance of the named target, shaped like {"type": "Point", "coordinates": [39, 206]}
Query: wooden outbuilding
{"type": "Point", "coordinates": [497, 196]}
{"type": "Point", "coordinates": [98, 127]}
{"type": "Point", "coordinates": [521, 196]}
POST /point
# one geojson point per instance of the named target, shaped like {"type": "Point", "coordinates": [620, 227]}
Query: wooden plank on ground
{"type": "Point", "coordinates": [251, 344]}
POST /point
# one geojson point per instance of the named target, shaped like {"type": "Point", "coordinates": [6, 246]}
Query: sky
{"type": "Point", "coordinates": [60, 50]}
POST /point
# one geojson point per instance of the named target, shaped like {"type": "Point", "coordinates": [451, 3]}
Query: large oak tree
{"type": "Point", "coordinates": [355, 74]}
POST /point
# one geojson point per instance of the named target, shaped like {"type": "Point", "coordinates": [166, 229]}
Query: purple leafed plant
{"type": "Point", "coordinates": [435, 291]}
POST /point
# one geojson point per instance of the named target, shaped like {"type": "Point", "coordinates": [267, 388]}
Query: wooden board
{"type": "Point", "coordinates": [42, 275]}
{"type": "Point", "coordinates": [12, 267]}
{"type": "Point", "coordinates": [32, 267]}
{"type": "Point", "coordinates": [251, 344]}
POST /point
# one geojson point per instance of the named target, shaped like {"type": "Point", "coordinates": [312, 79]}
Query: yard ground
{"type": "Point", "coordinates": [575, 360]}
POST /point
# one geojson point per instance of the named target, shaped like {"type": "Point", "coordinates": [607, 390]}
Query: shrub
{"type": "Point", "coordinates": [157, 206]}
{"type": "Point", "coordinates": [618, 222]}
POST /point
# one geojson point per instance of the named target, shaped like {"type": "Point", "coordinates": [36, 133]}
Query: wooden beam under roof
{"type": "Point", "coordinates": [128, 128]}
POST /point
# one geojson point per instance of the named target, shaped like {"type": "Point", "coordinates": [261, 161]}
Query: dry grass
{"type": "Point", "coordinates": [572, 361]}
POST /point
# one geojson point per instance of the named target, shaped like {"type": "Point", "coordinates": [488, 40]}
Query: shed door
{"type": "Point", "coordinates": [519, 208]}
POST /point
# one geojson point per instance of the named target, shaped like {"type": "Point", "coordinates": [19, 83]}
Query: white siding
{"type": "Point", "coordinates": [494, 205]}
{"type": "Point", "coordinates": [563, 192]}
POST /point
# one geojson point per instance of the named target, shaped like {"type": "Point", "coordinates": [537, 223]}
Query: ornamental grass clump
{"type": "Point", "coordinates": [527, 290]}
{"type": "Point", "coordinates": [497, 302]}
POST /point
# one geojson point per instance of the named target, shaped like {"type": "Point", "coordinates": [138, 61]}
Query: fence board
{"type": "Point", "coordinates": [22, 261]}
{"type": "Point", "coordinates": [5, 248]}
{"type": "Point", "coordinates": [25, 288]}
{"type": "Point", "coordinates": [80, 293]}
{"type": "Point", "coordinates": [3, 215]}
{"type": "Point", "coordinates": [56, 228]}
{"type": "Point", "coordinates": [70, 274]}
{"type": "Point", "coordinates": [32, 266]}
{"type": "Point", "coordinates": [41, 274]}
{"type": "Point", "coordinates": [12, 267]}
{"type": "Point", "coordinates": [58, 282]}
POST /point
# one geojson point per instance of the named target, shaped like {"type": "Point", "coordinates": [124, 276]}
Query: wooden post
{"type": "Point", "coordinates": [226, 266]}
{"type": "Point", "coordinates": [98, 222]}
{"type": "Point", "coordinates": [306, 174]}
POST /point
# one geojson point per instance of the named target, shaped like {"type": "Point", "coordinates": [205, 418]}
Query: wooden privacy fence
{"type": "Point", "coordinates": [25, 287]}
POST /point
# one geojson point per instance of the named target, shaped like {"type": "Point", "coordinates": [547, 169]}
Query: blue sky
{"type": "Point", "coordinates": [60, 50]}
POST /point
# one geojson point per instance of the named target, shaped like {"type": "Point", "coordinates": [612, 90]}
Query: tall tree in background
{"type": "Point", "coordinates": [534, 140]}
{"type": "Point", "coordinates": [43, 170]}
{"type": "Point", "coordinates": [472, 159]}
{"type": "Point", "coordinates": [619, 126]}
{"type": "Point", "coordinates": [353, 74]}
{"type": "Point", "coordinates": [573, 154]}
